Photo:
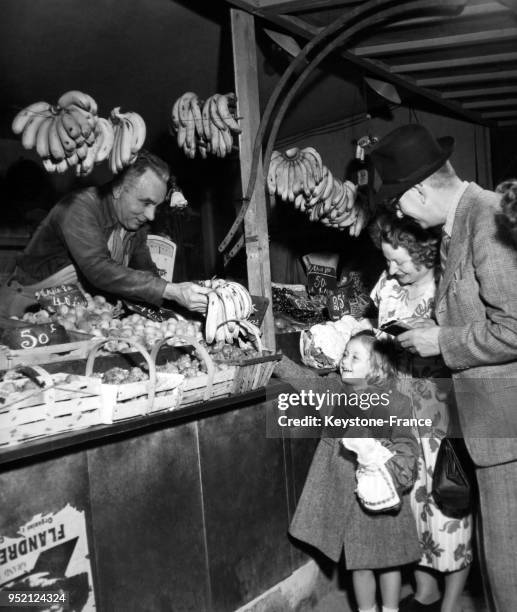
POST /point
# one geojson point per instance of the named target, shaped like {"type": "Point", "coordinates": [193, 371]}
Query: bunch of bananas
{"type": "Point", "coordinates": [229, 305]}
{"type": "Point", "coordinates": [65, 135]}
{"type": "Point", "coordinates": [299, 176]}
{"type": "Point", "coordinates": [129, 136]}
{"type": "Point", "coordinates": [205, 127]}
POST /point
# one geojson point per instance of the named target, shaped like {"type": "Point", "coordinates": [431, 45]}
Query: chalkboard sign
{"type": "Point", "coordinates": [320, 279]}
{"type": "Point", "coordinates": [338, 303]}
{"type": "Point", "coordinates": [32, 336]}
{"type": "Point", "coordinates": [62, 295]}
{"type": "Point", "coordinates": [260, 305]}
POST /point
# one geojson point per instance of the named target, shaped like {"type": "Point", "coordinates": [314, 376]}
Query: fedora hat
{"type": "Point", "coordinates": [406, 156]}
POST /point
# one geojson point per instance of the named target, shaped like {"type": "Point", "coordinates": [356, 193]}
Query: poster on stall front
{"type": "Point", "coordinates": [50, 553]}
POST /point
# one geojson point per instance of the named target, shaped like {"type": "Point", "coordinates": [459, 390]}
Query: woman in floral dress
{"type": "Point", "coordinates": [406, 290]}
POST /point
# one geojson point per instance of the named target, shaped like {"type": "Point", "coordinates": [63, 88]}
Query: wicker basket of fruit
{"type": "Point", "coordinates": [34, 403]}
{"type": "Point", "coordinates": [135, 392]}
{"type": "Point", "coordinates": [203, 382]}
{"type": "Point", "coordinates": [254, 365]}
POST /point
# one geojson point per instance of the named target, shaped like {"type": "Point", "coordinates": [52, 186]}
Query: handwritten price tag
{"type": "Point", "coordinates": [338, 303]}
{"type": "Point", "coordinates": [32, 336]}
{"type": "Point", "coordinates": [321, 279]}
{"type": "Point", "coordinates": [260, 306]}
{"type": "Point", "coordinates": [62, 295]}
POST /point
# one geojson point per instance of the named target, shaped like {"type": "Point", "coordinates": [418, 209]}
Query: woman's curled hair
{"type": "Point", "coordinates": [422, 245]}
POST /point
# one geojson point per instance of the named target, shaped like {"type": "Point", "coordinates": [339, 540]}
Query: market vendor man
{"type": "Point", "coordinates": [97, 236]}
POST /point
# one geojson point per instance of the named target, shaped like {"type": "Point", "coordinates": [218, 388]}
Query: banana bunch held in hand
{"type": "Point", "coordinates": [129, 136]}
{"type": "Point", "coordinates": [66, 135]}
{"type": "Point", "coordinates": [205, 127]}
{"type": "Point", "coordinates": [229, 306]}
{"type": "Point", "coordinates": [299, 176]}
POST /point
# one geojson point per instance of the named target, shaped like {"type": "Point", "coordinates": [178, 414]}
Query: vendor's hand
{"type": "Point", "coordinates": [422, 341]}
{"type": "Point", "coordinates": [418, 322]}
{"type": "Point", "coordinates": [189, 295]}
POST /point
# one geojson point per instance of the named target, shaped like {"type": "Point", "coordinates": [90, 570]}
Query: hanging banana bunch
{"type": "Point", "coordinates": [205, 127]}
{"type": "Point", "coordinates": [229, 306]}
{"type": "Point", "coordinates": [129, 137]}
{"type": "Point", "coordinates": [299, 176]}
{"type": "Point", "coordinates": [65, 135]}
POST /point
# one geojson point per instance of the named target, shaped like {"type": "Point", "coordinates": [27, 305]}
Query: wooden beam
{"type": "Point", "coordinates": [255, 221]}
{"type": "Point", "coordinates": [476, 93]}
{"type": "Point", "coordinates": [476, 10]}
{"type": "Point", "coordinates": [491, 103]}
{"type": "Point", "coordinates": [438, 42]}
{"type": "Point", "coordinates": [295, 6]}
{"type": "Point", "coordinates": [501, 114]}
{"type": "Point", "coordinates": [455, 63]}
{"type": "Point", "coordinates": [476, 77]}
{"type": "Point", "coordinates": [507, 123]}
{"type": "Point", "coordinates": [306, 30]}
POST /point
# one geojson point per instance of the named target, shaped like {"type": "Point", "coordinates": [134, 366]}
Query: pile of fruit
{"type": "Point", "coordinates": [188, 365]}
{"type": "Point", "coordinates": [205, 127]}
{"type": "Point", "coordinates": [231, 353]}
{"type": "Point", "coordinates": [299, 176]}
{"type": "Point", "coordinates": [70, 134]}
{"type": "Point", "coordinates": [118, 376]}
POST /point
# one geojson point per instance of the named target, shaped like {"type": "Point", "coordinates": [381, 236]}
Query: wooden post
{"type": "Point", "coordinates": [255, 221]}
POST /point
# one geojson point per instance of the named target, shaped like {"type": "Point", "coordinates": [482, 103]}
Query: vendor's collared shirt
{"type": "Point", "coordinates": [77, 231]}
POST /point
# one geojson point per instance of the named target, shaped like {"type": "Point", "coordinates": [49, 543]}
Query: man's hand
{"type": "Point", "coordinates": [422, 341]}
{"type": "Point", "coordinates": [189, 295]}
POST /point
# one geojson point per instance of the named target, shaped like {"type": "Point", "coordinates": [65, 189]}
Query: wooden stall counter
{"type": "Point", "coordinates": [185, 510]}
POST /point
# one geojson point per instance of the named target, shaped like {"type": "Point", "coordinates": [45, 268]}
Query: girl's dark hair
{"type": "Point", "coordinates": [422, 245]}
{"type": "Point", "coordinates": [383, 358]}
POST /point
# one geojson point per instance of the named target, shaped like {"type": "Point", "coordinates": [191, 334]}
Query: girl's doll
{"type": "Point", "coordinates": [330, 516]}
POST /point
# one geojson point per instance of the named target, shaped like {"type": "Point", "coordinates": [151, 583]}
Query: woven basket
{"type": "Point", "coordinates": [215, 383]}
{"type": "Point", "coordinates": [254, 372]}
{"type": "Point", "coordinates": [162, 391]}
{"type": "Point", "coordinates": [56, 407]}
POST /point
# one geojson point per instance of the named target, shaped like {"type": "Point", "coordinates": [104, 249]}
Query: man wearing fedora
{"type": "Point", "coordinates": [476, 330]}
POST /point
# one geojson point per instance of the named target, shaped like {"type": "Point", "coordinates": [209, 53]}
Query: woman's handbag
{"type": "Point", "coordinates": [454, 480]}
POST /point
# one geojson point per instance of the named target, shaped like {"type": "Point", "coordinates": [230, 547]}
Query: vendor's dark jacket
{"type": "Point", "coordinates": [76, 231]}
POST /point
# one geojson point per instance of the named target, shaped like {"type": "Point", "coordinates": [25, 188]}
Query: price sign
{"type": "Point", "coordinates": [260, 305]}
{"type": "Point", "coordinates": [320, 279]}
{"type": "Point", "coordinates": [32, 336]}
{"type": "Point", "coordinates": [62, 295]}
{"type": "Point", "coordinates": [338, 303]}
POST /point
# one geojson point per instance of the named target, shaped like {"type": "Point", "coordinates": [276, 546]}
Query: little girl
{"type": "Point", "coordinates": [329, 515]}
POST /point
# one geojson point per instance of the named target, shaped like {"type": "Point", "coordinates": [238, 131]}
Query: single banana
{"type": "Point", "coordinates": [214, 113]}
{"type": "Point", "coordinates": [175, 117]}
{"type": "Point", "coordinates": [299, 200]}
{"type": "Point", "coordinates": [49, 165]}
{"type": "Point", "coordinates": [54, 142]}
{"type": "Point", "coordinates": [182, 135]}
{"type": "Point", "coordinates": [352, 194]}
{"type": "Point", "coordinates": [225, 114]}
{"type": "Point", "coordinates": [328, 188]}
{"type": "Point", "coordinates": [72, 160]}
{"type": "Point", "coordinates": [80, 99]}
{"type": "Point", "coordinates": [196, 114]}
{"type": "Point", "coordinates": [71, 125]}
{"type": "Point", "coordinates": [126, 139]}
{"type": "Point", "coordinates": [184, 106]}
{"type": "Point", "coordinates": [211, 317]}
{"type": "Point", "coordinates": [42, 145]}
{"type": "Point", "coordinates": [23, 117]}
{"type": "Point", "coordinates": [205, 117]}
{"type": "Point", "coordinates": [82, 152]}
{"type": "Point", "coordinates": [82, 117]}
{"type": "Point", "coordinates": [106, 136]}
{"type": "Point", "coordinates": [62, 167]}
{"type": "Point", "coordinates": [30, 131]}
{"type": "Point", "coordinates": [139, 131]}
{"type": "Point", "coordinates": [69, 144]}
{"type": "Point", "coordinates": [228, 140]}
{"type": "Point", "coordinates": [191, 130]}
